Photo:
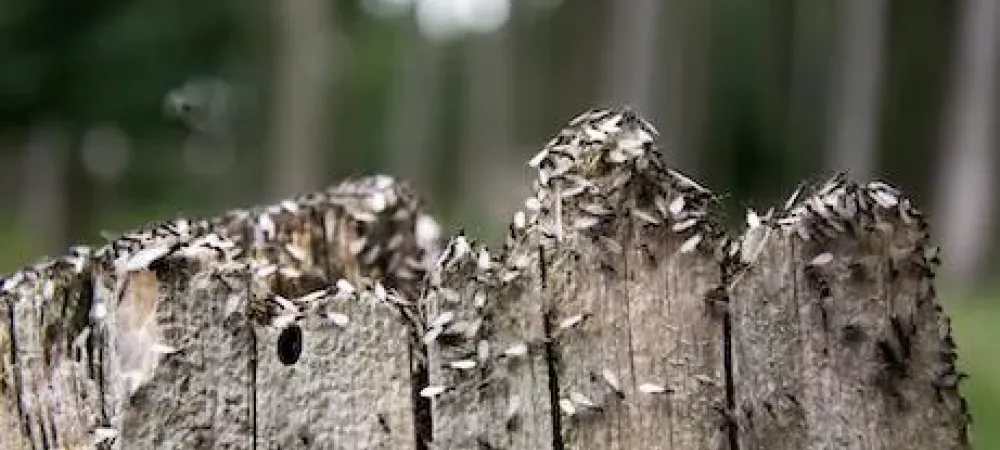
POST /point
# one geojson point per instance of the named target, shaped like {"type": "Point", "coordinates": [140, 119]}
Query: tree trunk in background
{"type": "Point", "coordinates": [685, 93]}
{"type": "Point", "coordinates": [301, 99]}
{"type": "Point", "coordinates": [632, 51]}
{"type": "Point", "coordinates": [967, 189]}
{"type": "Point", "coordinates": [813, 45]}
{"type": "Point", "coordinates": [493, 177]}
{"type": "Point", "coordinates": [12, 141]}
{"type": "Point", "coordinates": [857, 93]}
{"type": "Point", "coordinates": [414, 109]}
{"type": "Point", "coordinates": [105, 152]}
{"type": "Point", "coordinates": [748, 106]}
{"type": "Point", "coordinates": [576, 52]}
{"type": "Point", "coordinates": [43, 177]}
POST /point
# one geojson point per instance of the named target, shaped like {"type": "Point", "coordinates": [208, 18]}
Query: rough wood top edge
{"type": "Point", "coordinates": [380, 227]}
{"type": "Point", "coordinates": [839, 235]}
{"type": "Point", "coordinates": [377, 199]}
{"type": "Point", "coordinates": [601, 152]}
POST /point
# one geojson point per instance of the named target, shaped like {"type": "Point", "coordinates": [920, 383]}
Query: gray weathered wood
{"type": "Point", "coordinates": [15, 436]}
{"type": "Point", "coordinates": [649, 325]}
{"type": "Point", "coordinates": [838, 340]}
{"type": "Point", "coordinates": [503, 400]}
{"type": "Point", "coordinates": [197, 394]}
{"type": "Point", "coordinates": [639, 279]}
{"type": "Point", "coordinates": [619, 309]}
{"type": "Point", "coordinates": [52, 374]}
{"type": "Point", "coordinates": [352, 386]}
{"type": "Point", "coordinates": [617, 315]}
{"type": "Point", "coordinates": [166, 337]}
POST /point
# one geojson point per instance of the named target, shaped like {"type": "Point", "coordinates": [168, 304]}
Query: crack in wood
{"type": "Point", "coordinates": [16, 367]}
{"type": "Point", "coordinates": [551, 339]}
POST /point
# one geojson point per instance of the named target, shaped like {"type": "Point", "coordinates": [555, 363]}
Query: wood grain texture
{"type": "Point", "coordinates": [647, 324]}
{"type": "Point", "coordinates": [54, 381]}
{"type": "Point", "coordinates": [164, 338]}
{"type": "Point", "coordinates": [616, 280]}
{"type": "Point", "coordinates": [351, 388]}
{"type": "Point", "coordinates": [14, 436]}
{"type": "Point", "coordinates": [353, 385]}
{"type": "Point", "coordinates": [838, 339]}
{"type": "Point", "coordinates": [498, 326]}
{"type": "Point", "coordinates": [617, 315]}
{"type": "Point", "coordinates": [197, 396]}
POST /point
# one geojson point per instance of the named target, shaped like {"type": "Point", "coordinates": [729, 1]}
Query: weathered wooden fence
{"type": "Point", "coordinates": [617, 315]}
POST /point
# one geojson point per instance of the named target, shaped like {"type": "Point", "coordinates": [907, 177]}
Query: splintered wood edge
{"type": "Point", "coordinates": [607, 155]}
{"type": "Point", "coordinates": [237, 240]}
{"type": "Point", "coordinates": [568, 166]}
{"type": "Point", "coordinates": [599, 174]}
{"type": "Point", "coordinates": [852, 286]}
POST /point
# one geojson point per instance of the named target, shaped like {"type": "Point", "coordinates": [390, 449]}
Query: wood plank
{"type": "Point", "coordinates": [490, 358]}
{"type": "Point", "coordinates": [177, 367]}
{"type": "Point", "coordinates": [616, 316]}
{"type": "Point", "coordinates": [353, 384]}
{"type": "Point", "coordinates": [350, 388]}
{"type": "Point", "coordinates": [51, 362]}
{"type": "Point", "coordinates": [838, 340]}
{"type": "Point", "coordinates": [644, 368]}
{"type": "Point", "coordinates": [16, 436]}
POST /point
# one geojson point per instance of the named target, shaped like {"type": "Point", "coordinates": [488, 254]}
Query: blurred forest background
{"type": "Point", "coordinates": [113, 113]}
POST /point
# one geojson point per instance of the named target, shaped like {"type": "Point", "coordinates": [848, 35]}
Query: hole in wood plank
{"type": "Point", "coordinates": [290, 344]}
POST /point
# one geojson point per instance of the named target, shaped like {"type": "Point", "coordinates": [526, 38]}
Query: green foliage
{"type": "Point", "coordinates": [977, 334]}
{"type": "Point", "coordinates": [365, 71]}
{"type": "Point", "coordinates": [16, 250]}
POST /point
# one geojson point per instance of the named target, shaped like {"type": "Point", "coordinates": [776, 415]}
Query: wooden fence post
{"type": "Point", "coordinates": [177, 335]}
{"type": "Point", "coordinates": [611, 265]}
{"type": "Point", "coordinates": [838, 341]}
{"type": "Point", "coordinates": [617, 315]}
